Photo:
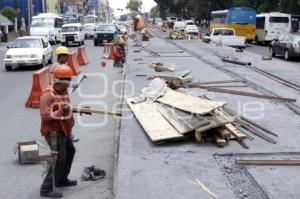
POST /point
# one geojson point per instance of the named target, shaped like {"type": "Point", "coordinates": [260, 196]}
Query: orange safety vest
{"type": "Point", "coordinates": [58, 125]}
{"type": "Point", "coordinates": [140, 23]}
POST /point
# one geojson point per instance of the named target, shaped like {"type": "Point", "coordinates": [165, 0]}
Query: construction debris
{"type": "Point", "coordinates": [159, 67]}
{"type": "Point", "coordinates": [179, 115]}
{"type": "Point", "coordinates": [146, 35]}
{"type": "Point", "coordinates": [174, 34]}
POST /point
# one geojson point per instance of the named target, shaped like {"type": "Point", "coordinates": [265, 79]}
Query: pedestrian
{"type": "Point", "coordinates": [62, 54]}
{"type": "Point", "coordinates": [56, 125]}
{"type": "Point", "coordinates": [139, 25]}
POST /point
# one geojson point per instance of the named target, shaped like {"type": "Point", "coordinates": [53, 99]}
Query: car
{"type": "Point", "coordinates": [28, 50]}
{"type": "Point", "coordinates": [287, 45]}
{"type": "Point", "coordinates": [191, 29]}
{"type": "Point", "coordinates": [226, 37]}
{"type": "Point", "coordinates": [72, 33]}
{"type": "Point", "coordinates": [105, 33]}
{"type": "Point", "coordinates": [88, 31]}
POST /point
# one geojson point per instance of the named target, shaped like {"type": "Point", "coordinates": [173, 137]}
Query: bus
{"type": "Point", "coordinates": [47, 25]}
{"type": "Point", "coordinates": [90, 20]}
{"type": "Point", "coordinates": [271, 25]}
{"type": "Point", "coordinates": [241, 19]}
{"type": "Point", "coordinates": [295, 23]}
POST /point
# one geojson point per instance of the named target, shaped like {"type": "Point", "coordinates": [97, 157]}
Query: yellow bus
{"type": "Point", "coordinates": [241, 19]}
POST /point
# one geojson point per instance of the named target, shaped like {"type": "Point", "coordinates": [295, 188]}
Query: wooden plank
{"type": "Point", "coordinates": [215, 121]}
{"type": "Point", "coordinates": [220, 141]}
{"type": "Point", "coordinates": [238, 134]}
{"type": "Point", "coordinates": [223, 133]}
{"type": "Point", "coordinates": [199, 137]}
{"type": "Point", "coordinates": [189, 103]}
{"type": "Point", "coordinates": [152, 121]}
{"type": "Point", "coordinates": [97, 111]}
{"type": "Point", "coordinates": [269, 162]}
{"type": "Point", "coordinates": [184, 122]}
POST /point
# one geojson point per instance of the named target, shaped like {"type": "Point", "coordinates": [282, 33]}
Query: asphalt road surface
{"type": "Point", "coordinates": [96, 132]}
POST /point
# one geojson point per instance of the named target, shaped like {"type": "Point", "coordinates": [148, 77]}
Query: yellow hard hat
{"type": "Point", "coordinates": [62, 50]}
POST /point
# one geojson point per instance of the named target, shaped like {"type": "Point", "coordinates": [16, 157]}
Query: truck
{"type": "Point", "coordinates": [225, 36]}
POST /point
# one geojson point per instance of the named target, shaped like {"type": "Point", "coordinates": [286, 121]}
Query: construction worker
{"type": "Point", "coordinates": [139, 25]}
{"type": "Point", "coordinates": [56, 125]}
{"type": "Point", "coordinates": [62, 54]}
{"type": "Point", "coordinates": [119, 52]}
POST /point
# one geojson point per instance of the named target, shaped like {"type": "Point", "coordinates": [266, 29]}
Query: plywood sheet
{"type": "Point", "coordinates": [152, 121]}
{"type": "Point", "coordinates": [189, 103]}
{"type": "Point", "coordinates": [184, 122]}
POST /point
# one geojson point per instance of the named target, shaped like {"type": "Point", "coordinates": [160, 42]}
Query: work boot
{"type": "Point", "coordinates": [51, 194]}
{"type": "Point", "coordinates": [67, 183]}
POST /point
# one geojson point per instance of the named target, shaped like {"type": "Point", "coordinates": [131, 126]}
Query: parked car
{"type": "Point", "coordinates": [88, 31]}
{"type": "Point", "coordinates": [287, 45]}
{"type": "Point", "coordinates": [225, 36]}
{"type": "Point", "coordinates": [72, 33]}
{"type": "Point", "coordinates": [29, 50]}
{"type": "Point", "coordinates": [191, 29]}
{"type": "Point", "coordinates": [105, 33]}
{"type": "Point", "coordinates": [179, 25]}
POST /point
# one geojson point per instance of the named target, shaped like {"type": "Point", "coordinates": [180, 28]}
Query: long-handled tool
{"type": "Point", "coordinates": [87, 110]}
{"type": "Point", "coordinates": [77, 84]}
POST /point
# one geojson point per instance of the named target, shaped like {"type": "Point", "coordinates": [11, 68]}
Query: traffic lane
{"type": "Point", "coordinates": [258, 49]}
{"type": "Point", "coordinates": [96, 145]}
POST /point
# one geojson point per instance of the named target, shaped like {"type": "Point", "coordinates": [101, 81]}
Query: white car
{"type": "Point", "coordinates": [226, 37]}
{"type": "Point", "coordinates": [29, 50]}
{"type": "Point", "coordinates": [72, 33]}
{"type": "Point", "coordinates": [191, 29]}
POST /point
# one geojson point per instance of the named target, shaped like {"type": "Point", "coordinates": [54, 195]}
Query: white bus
{"type": "Point", "coordinates": [271, 25]}
{"type": "Point", "coordinates": [90, 20]}
{"type": "Point", "coordinates": [47, 25]}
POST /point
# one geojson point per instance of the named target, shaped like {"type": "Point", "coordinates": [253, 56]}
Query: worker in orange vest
{"type": "Point", "coordinates": [139, 25]}
{"type": "Point", "coordinates": [56, 125]}
{"type": "Point", "coordinates": [62, 54]}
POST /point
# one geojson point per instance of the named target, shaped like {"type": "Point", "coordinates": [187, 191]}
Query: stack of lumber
{"type": "Point", "coordinates": [174, 34]}
{"type": "Point", "coordinates": [177, 115]}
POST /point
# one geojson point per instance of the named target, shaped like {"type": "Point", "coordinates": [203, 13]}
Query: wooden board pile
{"type": "Point", "coordinates": [177, 115]}
{"type": "Point", "coordinates": [174, 34]}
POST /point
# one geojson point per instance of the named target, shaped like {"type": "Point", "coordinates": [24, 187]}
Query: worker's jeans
{"type": "Point", "coordinates": [66, 151]}
{"type": "Point", "coordinates": [138, 34]}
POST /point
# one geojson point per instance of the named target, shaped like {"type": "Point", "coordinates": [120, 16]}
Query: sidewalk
{"type": "Point", "coordinates": [148, 171]}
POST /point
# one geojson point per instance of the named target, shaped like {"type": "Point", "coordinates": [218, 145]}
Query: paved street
{"type": "Point", "coordinates": [146, 170]}
{"type": "Point", "coordinates": [96, 132]}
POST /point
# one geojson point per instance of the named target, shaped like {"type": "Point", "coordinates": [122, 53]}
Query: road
{"type": "Point", "coordinates": [96, 132]}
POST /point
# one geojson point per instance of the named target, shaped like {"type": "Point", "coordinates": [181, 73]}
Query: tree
{"type": "Point", "coordinates": [123, 17]}
{"type": "Point", "coordinates": [10, 13]}
{"type": "Point", "coordinates": [134, 5]}
{"type": "Point", "coordinates": [154, 12]}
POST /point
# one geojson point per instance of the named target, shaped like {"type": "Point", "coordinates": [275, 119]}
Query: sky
{"type": "Point", "coordinates": [147, 5]}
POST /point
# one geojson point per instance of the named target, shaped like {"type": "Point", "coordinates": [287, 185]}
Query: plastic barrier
{"type": "Point", "coordinates": [40, 81]}
{"type": "Point", "coordinates": [81, 56]}
{"type": "Point", "coordinates": [73, 63]}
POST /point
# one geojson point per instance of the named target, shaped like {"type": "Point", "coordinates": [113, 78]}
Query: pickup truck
{"type": "Point", "coordinates": [225, 36]}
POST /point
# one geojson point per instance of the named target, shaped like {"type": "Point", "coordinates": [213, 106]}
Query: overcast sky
{"type": "Point", "coordinates": [147, 5]}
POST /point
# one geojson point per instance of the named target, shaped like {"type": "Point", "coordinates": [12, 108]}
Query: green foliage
{"type": "Point", "coordinates": [9, 12]}
{"type": "Point", "coordinates": [201, 9]}
{"type": "Point", "coordinates": [154, 12]}
{"type": "Point", "coordinates": [123, 18]}
{"type": "Point", "coordinates": [134, 5]}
